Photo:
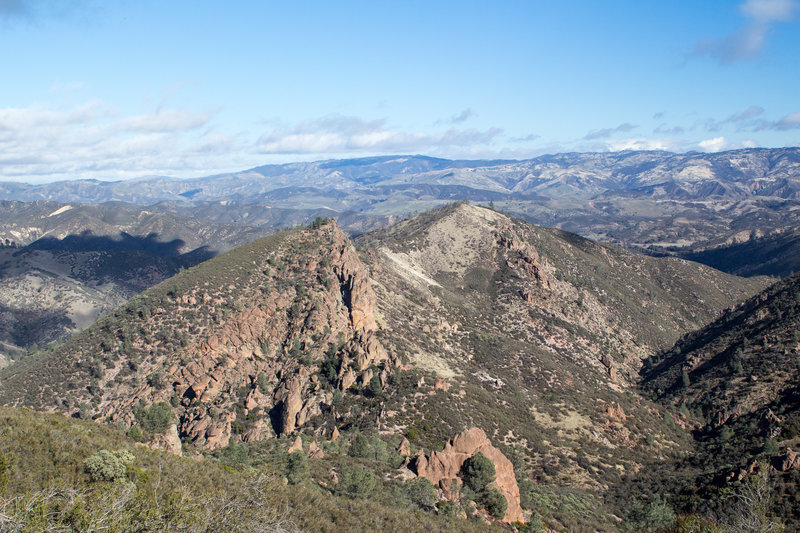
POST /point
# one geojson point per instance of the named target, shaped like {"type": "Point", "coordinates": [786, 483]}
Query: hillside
{"type": "Point", "coordinates": [45, 486]}
{"type": "Point", "coordinates": [457, 318]}
{"type": "Point", "coordinates": [62, 266]}
{"type": "Point", "coordinates": [777, 254]}
{"type": "Point", "coordinates": [739, 379]}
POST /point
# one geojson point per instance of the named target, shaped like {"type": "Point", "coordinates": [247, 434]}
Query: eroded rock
{"type": "Point", "coordinates": [442, 468]}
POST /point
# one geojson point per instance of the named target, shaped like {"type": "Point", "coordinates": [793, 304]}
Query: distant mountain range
{"type": "Point", "coordinates": [735, 174]}
{"type": "Point", "coordinates": [656, 199]}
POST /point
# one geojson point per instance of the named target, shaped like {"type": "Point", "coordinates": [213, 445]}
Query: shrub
{"type": "Point", "coordinates": [374, 387]}
{"type": "Point", "coordinates": [447, 508]}
{"type": "Point", "coordinates": [495, 502]}
{"type": "Point", "coordinates": [360, 447]}
{"type": "Point", "coordinates": [135, 434]}
{"type": "Point", "coordinates": [478, 472]}
{"type": "Point", "coordinates": [652, 516]}
{"type": "Point", "coordinates": [262, 382]}
{"type": "Point", "coordinates": [108, 466]}
{"type": "Point", "coordinates": [6, 466]}
{"type": "Point", "coordinates": [526, 493]}
{"type": "Point", "coordinates": [356, 483]}
{"type": "Point", "coordinates": [421, 492]}
{"type": "Point", "coordinates": [297, 467]}
{"type": "Point", "coordinates": [156, 418]}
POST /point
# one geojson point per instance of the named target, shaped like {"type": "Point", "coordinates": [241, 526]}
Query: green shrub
{"type": "Point", "coordinates": [447, 508]}
{"type": "Point", "coordinates": [478, 472]}
{"type": "Point", "coordinates": [356, 483]}
{"type": "Point", "coordinates": [526, 493]}
{"type": "Point", "coordinates": [421, 492]}
{"type": "Point", "coordinates": [360, 447]}
{"type": "Point", "coordinates": [108, 466]}
{"type": "Point", "coordinates": [135, 434]}
{"type": "Point", "coordinates": [494, 502]}
{"type": "Point", "coordinates": [156, 418]}
{"type": "Point", "coordinates": [374, 387]}
{"type": "Point", "coordinates": [6, 466]}
{"type": "Point", "coordinates": [651, 516]}
{"type": "Point", "coordinates": [262, 382]}
{"type": "Point", "coordinates": [297, 467]}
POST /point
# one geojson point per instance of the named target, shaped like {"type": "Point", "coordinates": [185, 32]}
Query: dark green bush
{"type": "Point", "coordinates": [478, 472]}
{"type": "Point", "coordinates": [654, 515]}
{"type": "Point", "coordinates": [421, 492]}
{"type": "Point", "coordinates": [156, 418]}
{"type": "Point", "coordinates": [356, 483]}
{"type": "Point", "coordinates": [360, 447]}
{"type": "Point", "coordinates": [494, 502]}
{"type": "Point", "coordinates": [297, 467]}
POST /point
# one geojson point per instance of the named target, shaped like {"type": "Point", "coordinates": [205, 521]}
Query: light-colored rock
{"type": "Point", "coordinates": [169, 441]}
{"type": "Point", "coordinates": [441, 384]}
{"type": "Point", "coordinates": [443, 467]}
{"type": "Point", "coordinates": [314, 451]}
{"type": "Point", "coordinates": [297, 445]}
{"type": "Point", "coordinates": [405, 448]}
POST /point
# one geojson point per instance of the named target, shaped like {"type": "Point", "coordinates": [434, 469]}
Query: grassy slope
{"type": "Point", "coordinates": [44, 455]}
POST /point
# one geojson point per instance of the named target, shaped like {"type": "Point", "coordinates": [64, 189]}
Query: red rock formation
{"type": "Point", "coordinates": [296, 446]}
{"type": "Point", "coordinates": [443, 468]}
{"type": "Point", "coordinates": [335, 304]}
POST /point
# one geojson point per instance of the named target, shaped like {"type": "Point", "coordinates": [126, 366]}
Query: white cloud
{"type": "Point", "coordinates": [93, 140]}
{"type": "Point", "coordinates": [165, 121]}
{"type": "Point", "coordinates": [752, 119]}
{"type": "Point", "coordinates": [457, 119]}
{"type": "Point", "coordinates": [748, 41]}
{"type": "Point", "coordinates": [336, 134]}
{"type": "Point", "coordinates": [641, 144]}
{"type": "Point", "coordinates": [608, 132]}
{"type": "Point", "coordinates": [713, 145]}
{"type": "Point", "coordinates": [789, 122]}
{"type": "Point", "coordinates": [769, 10]}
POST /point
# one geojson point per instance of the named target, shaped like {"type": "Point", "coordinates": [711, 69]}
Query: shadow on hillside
{"type": "Point", "coordinates": [88, 242]}
{"type": "Point", "coordinates": [127, 252]}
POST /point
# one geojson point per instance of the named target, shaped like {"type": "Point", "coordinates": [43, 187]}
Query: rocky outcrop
{"type": "Point", "coordinates": [169, 441]}
{"type": "Point", "coordinates": [442, 468]}
{"type": "Point", "coordinates": [307, 301]}
{"type": "Point", "coordinates": [787, 461]}
{"type": "Point", "coordinates": [297, 446]}
{"type": "Point", "coordinates": [525, 258]}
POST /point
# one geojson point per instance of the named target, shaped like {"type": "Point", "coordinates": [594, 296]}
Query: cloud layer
{"type": "Point", "coordinates": [95, 140]}
{"type": "Point", "coordinates": [336, 134]}
{"type": "Point", "coordinates": [91, 138]}
{"type": "Point", "coordinates": [747, 42]}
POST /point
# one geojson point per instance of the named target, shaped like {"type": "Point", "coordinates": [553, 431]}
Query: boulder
{"type": "Point", "coordinates": [169, 441]}
{"type": "Point", "coordinates": [444, 467]}
{"type": "Point", "coordinates": [314, 451]}
{"type": "Point", "coordinates": [786, 462]}
{"type": "Point", "coordinates": [297, 445]}
{"type": "Point", "coordinates": [405, 448]}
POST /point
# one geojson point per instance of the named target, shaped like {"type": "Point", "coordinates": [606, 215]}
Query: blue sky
{"type": "Point", "coordinates": [114, 90]}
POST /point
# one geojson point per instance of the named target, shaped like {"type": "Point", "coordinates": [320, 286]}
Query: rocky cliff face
{"type": "Point", "coordinates": [244, 359]}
